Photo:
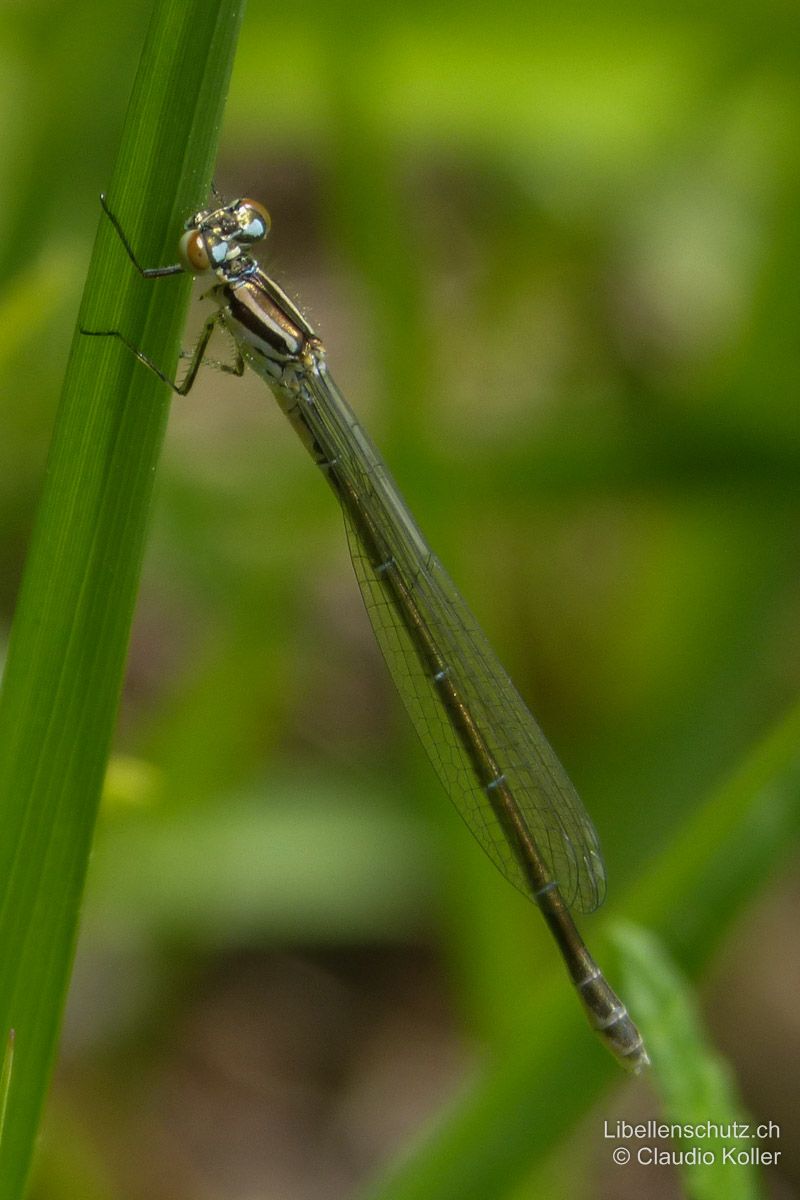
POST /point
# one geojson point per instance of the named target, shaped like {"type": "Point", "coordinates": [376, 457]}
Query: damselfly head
{"type": "Point", "coordinates": [215, 239]}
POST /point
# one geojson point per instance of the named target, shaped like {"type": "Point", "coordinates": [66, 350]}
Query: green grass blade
{"type": "Point", "coordinates": [5, 1080]}
{"type": "Point", "coordinates": [71, 629]}
{"type": "Point", "coordinates": [527, 1101]}
{"type": "Point", "coordinates": [693, 1081]}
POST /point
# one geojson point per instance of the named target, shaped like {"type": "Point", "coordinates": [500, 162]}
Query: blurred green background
{"type": "Point", "coordinates": [553, 256]}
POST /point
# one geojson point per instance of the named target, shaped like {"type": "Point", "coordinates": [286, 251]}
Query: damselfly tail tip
{"type": "Point", "coordinates": [626, 1044]}
{"type": "Point", "coordinates": [637, 1061]}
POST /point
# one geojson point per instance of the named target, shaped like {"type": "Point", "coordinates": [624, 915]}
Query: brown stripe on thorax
{"type": "Point", "coordinates": [263, 323]}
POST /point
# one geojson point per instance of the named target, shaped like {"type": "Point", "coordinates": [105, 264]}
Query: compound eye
{"type": "Point", "coordinates": [254, 220]}
{"type": "Point", "coordinates": [193, 252]}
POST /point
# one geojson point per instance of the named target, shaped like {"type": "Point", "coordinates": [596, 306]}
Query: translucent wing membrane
{"type": "Point", "coordinates": [390, 543]}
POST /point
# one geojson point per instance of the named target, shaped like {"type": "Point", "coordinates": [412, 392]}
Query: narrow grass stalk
{"type": "Point", "coordinates": [509, 1124]}
{"type": "Point", "coordinates": [70, 635]}
{"type": "Point", "coordinates": [5, 1079]}
{"type": "Point", "coordinates": [695, 1084]}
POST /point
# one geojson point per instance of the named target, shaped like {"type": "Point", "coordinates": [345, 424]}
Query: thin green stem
{"type": "Point", "coordinates": [69, 640]}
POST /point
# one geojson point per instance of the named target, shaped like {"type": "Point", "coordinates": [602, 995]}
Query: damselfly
{"type": "Point", "coordinates": [488, 750]}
